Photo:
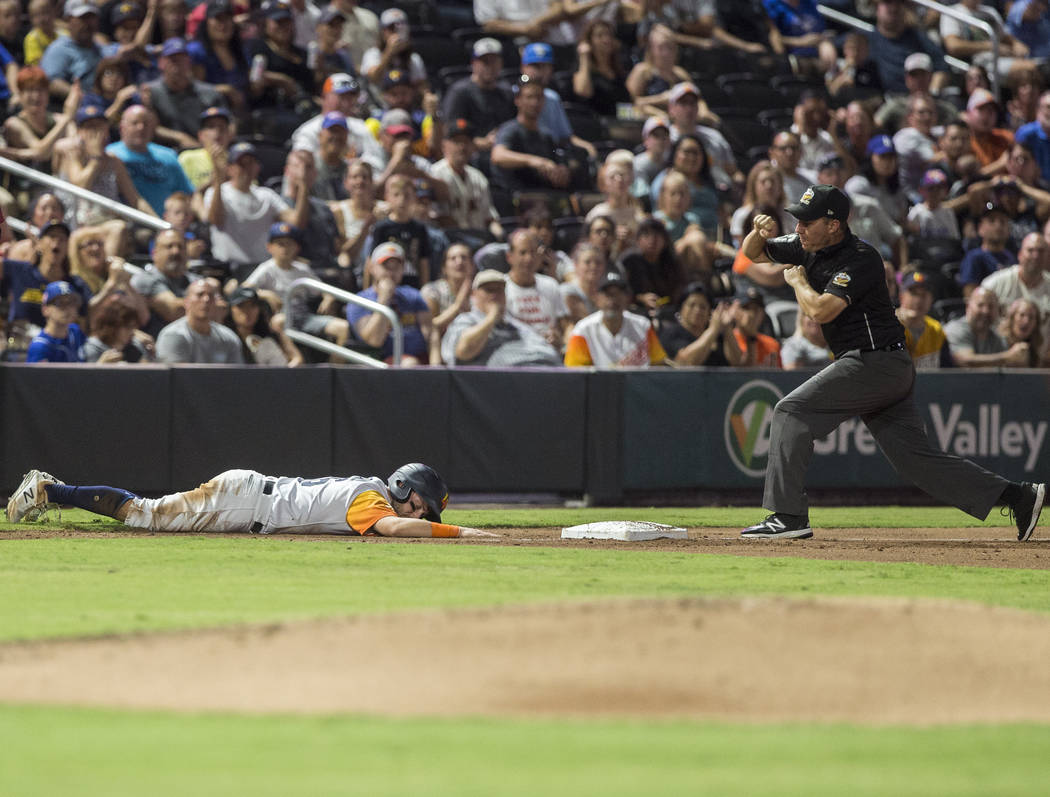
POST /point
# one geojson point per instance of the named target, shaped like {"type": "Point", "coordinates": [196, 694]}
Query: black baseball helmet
{"type": "Point", "coordinates": [426, 482]}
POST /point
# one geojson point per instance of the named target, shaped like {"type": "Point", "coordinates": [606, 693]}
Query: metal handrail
{"type": "Point", "coordinates": [119, 208]}
{"type": "Point", "coordinates": [307, 283]}
{"type": "Point", "coordinates": [866, 27]}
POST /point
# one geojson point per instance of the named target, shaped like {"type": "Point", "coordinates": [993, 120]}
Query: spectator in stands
{"type": "Point", "coordinates": [1028, 279]}
{"type": "Point", "coordinates": [214, 132]}
{"type": "Point", "coordinates": [115, 336]}
{"type": "Point", "coordinates": [396, 134]}
{"type": "Point", "coordinates": [697, 335]}
{"type": "Point", "coordinates": [172, 20]}
{"type": "Point", "coordinates": [764, 188]}
{"type": "Point", "coordinates": [989, 143]}
{"type": "Point", "coordinates": [87, 164]}
{"type": "Point", "coordinates": [552, 261]}
{"type": "Point", "coordinates": [612, 337]}
{"type": "Point", "coordinates": [534, 298]}
{"type": "Point", "coordinates": [853, 127]}
{"type": "Point", "coordinates": [855, 69]}
{"type": "Point", "coordinates": [537, 62]}
{"type": "Point", "coordinates": [915, 144]}
{"type": "Point", "coordinates": [918, 77]}
{"type": "Point", "coordinates": [972, 44]}
{"type": "Point", "coordinates": [923, 335]}
{"type": "Point", "coordinates": [331, 157]}
{"type": "Point", "coordinates": [653, 272]}
{"type": "Point", "coordinates": [757, 349]}
{"type": "Point", "coordinates": [601, 232]}
{"type": "Point", "coordinates": [195, 337]}
{"type": "Point", "coordinates": [241, 212]}
{"type": "Point", "coordinates": [394, 51]}
{"type": "Point", "coordinates": [44, 207]}
{"type": "Point", "coordinates": [811, 121]}
{"type": "Point", "coordinates": [340, 92]}
{"type": "Point", "coordinates": [114, 87]}
{"type": "Point", "coordinates": [272, 280]}
{"type": "Point", "coordinates": [650, 81]}
{"type": "Point", "coordinates": [684, 111]}
{"type": "Point", "coordinates": [799, 28]}
{"type": "Point", "coordinates": [656, 138]}
{"type": "Point", "coordinates": [260, 345]}
{"type": "Point", "coordinates": [285, 77]}
{"type": "Point", "coordinates": [24, 281]}
{"type": "Point", "coordinates": [449, 296]}
{"type": "Point", "coordinates": [42, 17]}
{"type": "Point", "coordinates": [401, 227]}
{"type": "Point", "coordinates": [868, 218]}
{"type": "Point", "coordinates": [599, 79]}
{"type": "Point", "coordinates": [615, 180]}
{"type": "Point", "coordinates": [930, 218]}
{"type": "Point", "coordinates": [31, 133]}
{"type": "Point", "coordinates": [1036, 135]}
{"type": "Point", "coordinates": [74, 56]}
{"type": "Point", "coordinates": [361, 29]}
{"type": "Point", "coordinates": [320, 238]}
{"type": "Point", "coordinates": [694, 251]}
{"type": "Point", "coordinates": [954, 156]}
{"type": "Point", "coordinates": [973, 339]}
{"type": "Point", "coordinates": [879, 178]}
{"type": "Point", "coordinates": [689, 158]}
{"type": "Point", "coordinates": [355, 216]}
{"type": "Point", "coordinates": [485, 334]}
{"type": "Point", "coordinates": [333, 57]}
{"type": "Point", "coordinates": [767, 277]}
{"type": "Point", "coordinates": [524, 156]}
{"type": "Point", "coordinates": [386, 267]}
{"type": "Point", "coordinates": [154, 169]}
{"type": "Point", "coordinates": [178, 99]}
{"type": "Point", "coordinates": [11, 30]}
{"type": "Point", "coordinates": [469, 205]}
{"type": "Point", "coordinates": [164, 281]}
{"type": "Point", "coordinates": [1021, 178]}
{"type": "Point", "coordinates": [106, 275]}
{"type": "Point", "coordinates": [61, 338]}
{"type": "Point", "coordinates": [1028, 21]}
{"type": "Point", "coordinates": [1025, 86]}
{"type": "Point", "coordinates": [993, 227]}
{"type": "Point", "coordinates": [893, 40]}
{"type": "Point", "coordinates": [483, 99]}
{"type": "Point", "coordinates": [785, 152]}
{"type": "Point", "coordinates": [217, 53]}
{"type": "Point", "coordinates": [806, 346]}
{"type": "Point", "coordinates": [1024, 323]}
{"type": "Point", "coordinates": [130, 35]}
{"type": "Point", "coordinates": [580, 290]}
{"type": "Point", "coordinates": [531, 19]}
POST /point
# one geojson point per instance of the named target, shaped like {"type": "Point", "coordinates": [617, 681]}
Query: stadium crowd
{"type": "Point", "coordinates": [524, 182]}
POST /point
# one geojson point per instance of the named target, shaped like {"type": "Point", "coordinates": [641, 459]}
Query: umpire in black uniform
{"type": "Point", "coordinates": [841, 283]}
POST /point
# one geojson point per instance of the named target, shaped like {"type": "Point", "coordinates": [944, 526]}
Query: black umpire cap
{"type": "Point", "coordinates": [427, 484]}
{"type": "Point", "coordinates": [821, 202]}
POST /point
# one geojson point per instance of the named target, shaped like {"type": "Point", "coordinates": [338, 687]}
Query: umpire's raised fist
{"type": "Point", "coordinates": [765, 225]}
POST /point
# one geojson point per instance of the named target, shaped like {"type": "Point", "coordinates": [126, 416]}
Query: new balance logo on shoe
{"type": "Point", "coordinates": [790, 527]}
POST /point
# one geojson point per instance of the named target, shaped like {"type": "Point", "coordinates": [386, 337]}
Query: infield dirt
{"type": "Point", "coordinates": [761, 659]}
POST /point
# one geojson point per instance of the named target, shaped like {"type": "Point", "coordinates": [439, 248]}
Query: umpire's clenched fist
{"type": "Point", "coordinates": [766, 226]}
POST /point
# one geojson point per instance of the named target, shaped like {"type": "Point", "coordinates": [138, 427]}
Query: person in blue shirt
{"type": "Point", "coordinates": [387, 267]}
{"type": "Point", "coordinates": [154, 169]}
{"type": "Point", "coordinates": [75, 56]}
{"type": "Point", "coordinates": [801, 30]}
{"type": "Point", "coordinates": [23, 282]}
{"type": "Point", "coordinates": [537, 61]}
{"type": "Point", "coordinates": [61, 339]}
{"type": "Point", "coordinates": [1029, 22]}
{"type": "Point", "coordinates": [1036, 135]}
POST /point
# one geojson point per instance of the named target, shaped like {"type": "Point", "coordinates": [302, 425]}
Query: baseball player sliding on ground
{"type": "Point", "coordinates": [408, 504]}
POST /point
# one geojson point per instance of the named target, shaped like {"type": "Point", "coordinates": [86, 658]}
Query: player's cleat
{"type": "Point", "coordinates": [779, 525]}
{"type": "Point", "coordinates": [30, 499]}
{"type": "Point", "coordinates": [1025, 510]}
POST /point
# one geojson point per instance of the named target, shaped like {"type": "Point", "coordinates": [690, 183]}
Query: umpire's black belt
{"type": "Point", "coordinates": [256, 526]}
{"type": "Point", "coordinates": [898, 346]}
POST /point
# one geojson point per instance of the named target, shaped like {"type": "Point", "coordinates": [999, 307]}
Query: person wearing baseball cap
{"type": "Point", "coordinates": [286, 74]}
{"type": "Point", "coordinates": [924, 336]}
{"type": "Point", "coordinates": [178, 98]}
{"type": "Point", "coordinates": [386, 266]}
{"type": "Point", "coordinates": [930, 216]}
{"type": "Point", "coordinates": [482, 98]}
{"type": "Point", "coordinates": [341, 92]}
{"type": "Point", "coordinates": [394, 51]}
{"type": "Point", "coordinates": [895, 38]}
{"type": "Point", "coordinates": [487, 335]}
{"type": "Point", "coordinates": [757, 350]}
{"type": "Point", "coordinates": [989, 142]}
{"type": "Point", "coordinates": [214, 133]}
{"type": "Point", "coordinates": [656, 138]}
{"type": "Point", "coordinates": [612, 337]}
{"type": "Point", "coordinates": [537, 64]}
{"type": "Point", "coordinates": [61, 339]}
{"type": "Point", "coordinates": [75, 55]}
{"type": "Point", "coordinates": [839, 281]}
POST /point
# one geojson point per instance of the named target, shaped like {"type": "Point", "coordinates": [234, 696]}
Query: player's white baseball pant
{"type": "Point", "coordinates": [235, 500]}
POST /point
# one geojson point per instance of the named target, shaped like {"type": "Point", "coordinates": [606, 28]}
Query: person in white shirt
{"type": "Point", "coordinates": [469, 203]}
{"type": "Point", "coordinates": [533, 298]}
{"type": "Point", "coordinates": [613, 337]}
{"type": "Point", "coordinates": [340, 92]}
{"type": "Point", "coordinates": [1028, 279]}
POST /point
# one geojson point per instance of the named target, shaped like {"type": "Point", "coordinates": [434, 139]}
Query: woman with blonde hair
{"type": "Point", "coordinates": [580, 291]}
{"type": "Point", "coordinates": [1021, 324]}
{"type": "Point", "coordinates": [764, 188]}
{"type": "Point", "coordinates": [651, 80]}
{"type": "Point", "coordinates": [104, 274]}
{"type": "Point", "coordinates": [449, 296]}
{"type": "Point", "coordinates": [355, 216]}
{"type": "Point", "coordinates": [615, 180]}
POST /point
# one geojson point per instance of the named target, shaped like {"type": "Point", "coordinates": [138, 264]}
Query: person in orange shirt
{"type": "Point", "coordinates": [613, 337]}
{"type": "Point", "coordinates": [759, 350]}
{"type": "Point", "coordinates": [990, 144]}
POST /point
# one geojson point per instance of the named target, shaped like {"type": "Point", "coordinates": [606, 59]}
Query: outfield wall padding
{"type": "Point", "coordinates": [604, 434]}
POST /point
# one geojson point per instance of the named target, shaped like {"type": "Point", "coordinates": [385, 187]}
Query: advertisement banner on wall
{"type": "Point", "coordinates": [714, 428]}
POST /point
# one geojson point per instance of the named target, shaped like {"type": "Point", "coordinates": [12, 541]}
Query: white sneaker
{"type": "Point", "coordinates": [29, 500]}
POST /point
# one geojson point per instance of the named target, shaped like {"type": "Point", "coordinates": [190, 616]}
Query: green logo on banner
{"type": "Point", "coordinates": [747, 425]}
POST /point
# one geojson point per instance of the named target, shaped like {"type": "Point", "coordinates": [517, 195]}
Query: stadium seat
{"type": "Point", "coordinates": [945, 310]}
{"type": "Point", "coordinates": [567, 232]}
{"type": "Point", "coordinates": [782, 317]}
{"type": "Point", "coordinates": [585, 122]}
{"type": "Point", "coordinates": [271, 155]}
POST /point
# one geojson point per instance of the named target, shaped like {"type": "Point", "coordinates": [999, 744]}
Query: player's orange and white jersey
{"type": "Point", "coordinates": [339, 504]}
{"type": "Point", "coordinates": [634, 346]}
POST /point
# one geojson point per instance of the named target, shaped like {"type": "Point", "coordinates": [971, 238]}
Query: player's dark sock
{"type": "Point", "coordinates": [98, 499]}
{"type": "Point", "coordinates": [1011, 494]}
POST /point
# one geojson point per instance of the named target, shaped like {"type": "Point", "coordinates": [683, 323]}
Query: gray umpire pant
{"type": "Point", "coordinates": [878, 387]}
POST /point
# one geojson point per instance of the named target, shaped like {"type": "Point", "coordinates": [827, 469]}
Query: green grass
{"type": "Point", "coordinates": [57, 751]}
{"type": "Point", "coordinates": [87, 586]}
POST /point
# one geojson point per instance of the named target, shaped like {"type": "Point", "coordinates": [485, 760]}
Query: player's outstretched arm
{"type": "Point", "coordinates": [416, 527]}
